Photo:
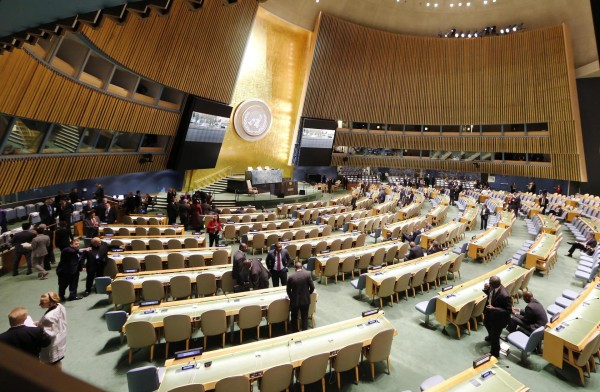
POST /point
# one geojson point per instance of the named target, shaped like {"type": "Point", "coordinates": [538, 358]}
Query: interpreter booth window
{"type": "Point", "coordinates": [62, 139]}
{"type": "Point", "coordinates": [126, 142]}
{"type": "Point", "coordinates": [25, 137]}
{"type": "Point", "coordinates": [95, 140]}
{"type": "Point", "coordinates": [154, 143]}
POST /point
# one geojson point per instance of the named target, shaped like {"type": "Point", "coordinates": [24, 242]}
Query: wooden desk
{"type": "Point", "coordinates": [429, 236]}
{"type": "Point", "coordinates": [572, 202]}
{"type": "Point", "coordinates": [328, 239]}
{"type": "Point", "coordinates": [374, 279]}
{"type": "Point", "coordinates": [470, 380]}
{"type": "Point", "coordinates": [443, 199]}
{"type": "Point", "coordinates": [540, 250]}
{"type": "Point", "coordinates": [355, 222]}
{"type": "Point", "coordinates": [385, 207]}
{"type": "Point", "coordinates": [571, 215]}
{"type": "Point", "coordinates": [280, 232]}
{"type": "Point", "coordinates": [483, 239]}
{"type": "Point", "coordinates": [323, 258]}
{"type": "Point", "coordinates": [455, 298]}
{"type": "Point", "coordinates": [498, 205]}
{"type": "Point", "coordinates": [162, 219]}
{"type": "Point", "coordinates": [577, 323]}
{"type": "Point", "coordinates": [227, 217]}
{"type": "Point", "coordinates": [321, 211]}
{"type": "Point", "coordinates": [207, 253]}
{"type": "Point", "coordinates": [549, 225]}
{"type": "Point", "coordinates": [165, 276]}
{"type": "Point", "coordinates": [265, 354]}
{"type": "Point", "coordinates": [388, 229]}
{"type": "Point", "coordinates": [231, 303]}
{"type": "Point", "coordinates": [592, 225]}
{"type": "Point", "coordinates": [469, 216]}
{"type": "Point", "coordinates": [411, 209]}
{"type": "Point", "coordinates": [131, 228]}
{"type": "Point", "coordinates": [506, 219]}
{"type": "Point", "coordinates": [164, 239]}
{"type": "Point", "coordinates": [437, 215]}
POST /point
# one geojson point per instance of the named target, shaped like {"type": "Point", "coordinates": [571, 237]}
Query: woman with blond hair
{"type": "Point", "coordinates": [54, 323]}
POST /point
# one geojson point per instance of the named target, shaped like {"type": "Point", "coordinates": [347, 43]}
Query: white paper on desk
{"type": "Point", "coordinates": [29, 322]}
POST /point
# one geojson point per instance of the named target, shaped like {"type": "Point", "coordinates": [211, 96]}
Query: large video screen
{"type": "Point", "coordinates": [316, 142]}
{"type": "Point", "coordinates": [200, 136]}
{"type": "Point", "coordinates": [317, 138]}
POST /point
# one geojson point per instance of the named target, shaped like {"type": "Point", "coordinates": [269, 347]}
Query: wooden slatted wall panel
{"type": "Point", "coordinates": [197, 51]}
{"type": "Point", "coordinates": [365, 75]}
{"type": "Point", "coordinates": [31, 89]}
{"type": "Point", "coordinates": [23, 174]}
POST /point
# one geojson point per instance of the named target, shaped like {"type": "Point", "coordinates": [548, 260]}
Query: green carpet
{"type": "Point", "coordinates": [96, 355]}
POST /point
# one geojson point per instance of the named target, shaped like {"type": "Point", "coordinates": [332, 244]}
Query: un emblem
{"type": "Point", "coordinates": [252, 119]}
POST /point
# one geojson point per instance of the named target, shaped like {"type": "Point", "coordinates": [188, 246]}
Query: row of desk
{"type": "Point", "coordinates": [207, 253]}
{"type": "Point", "coordinates": [163, 239]}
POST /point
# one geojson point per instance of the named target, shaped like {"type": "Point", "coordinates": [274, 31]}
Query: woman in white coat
{"type": "Point", "coordinates": [54, 323]}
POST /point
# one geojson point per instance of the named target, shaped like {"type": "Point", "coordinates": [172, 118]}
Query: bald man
{"type": "Point", "coordinates": [27, 339]}
{"type": "Point", "coordinates": [528, 319]}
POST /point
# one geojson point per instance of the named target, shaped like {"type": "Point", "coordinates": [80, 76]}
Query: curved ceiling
{"type": "Point", "coordinates": [416, 18]}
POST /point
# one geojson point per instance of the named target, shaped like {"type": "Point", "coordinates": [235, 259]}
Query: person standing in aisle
{"type": "Point", "coordinates": [54, 323]}
{"type": "Point", "coordinates": [213, 229]}
{"type": "Point", "coordinates": [277, 262]}
{"type": "Point", "coordinates": [299, 288]}
{"type": "Point", "coordinates": [485, 214]}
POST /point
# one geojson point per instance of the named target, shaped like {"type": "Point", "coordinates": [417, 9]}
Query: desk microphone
{"type": "Point", "coordinates": [566, 322]}
{"type": "Point", "coordinates": [503, 366]}
{"type": "Point", "coordinates": [587, 302]}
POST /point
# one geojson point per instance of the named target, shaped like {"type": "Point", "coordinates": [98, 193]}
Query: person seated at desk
{"type": "Point", "coordinates": [588, 246]}
{"type": "Point", "coordinates": [415, 252]}
{"type": "Point", "coordinates": [434, 248]}
{"type": "Point", "coordinates": [528, 319]}
{"type": "Point", "coordinates": [556, 211]}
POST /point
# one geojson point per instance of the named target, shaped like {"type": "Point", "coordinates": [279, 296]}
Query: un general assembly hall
{"type": "Point", "coordinates": [186, 185]}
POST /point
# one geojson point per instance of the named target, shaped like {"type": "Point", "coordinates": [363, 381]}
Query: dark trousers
{"type": "Point", "coordinates": [213, 238]}
{"type": "Point", "coordinates": [494, 328]}
{"type": "Point", "coordinates": [484, 220]}
{"type": "Point", "coordinates": [69, 281]}
{"type": "Point", "coordinates": [517, 322]}
{"type": "Point", "coordinates": [17, 259]}
{"type": "Point", "coordinates": [279, 276]}
{"type": "Point", "coordinates": [93, 273]}
{"type": "Point", "coordinates": [303, 316]}
{"type": "Point", "coordinates": [576, 246]}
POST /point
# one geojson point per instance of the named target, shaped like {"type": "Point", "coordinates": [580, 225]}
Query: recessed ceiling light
{"type": "Point", "coordinates": [451, 5]}
{"type": "Point", "coordinates": [468, 4]}
{"type": "Point", "coordinates": [460, 4]}
{"type": "Point", "coordinates": [485, 2]}
{"type": "Point", "coordinates": [428, 4]}
{"type": "Point", "coordinates": [435, 5]}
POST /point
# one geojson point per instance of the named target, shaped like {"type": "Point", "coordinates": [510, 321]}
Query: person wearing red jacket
{"type": "Point", "coordinates": [213, 229]}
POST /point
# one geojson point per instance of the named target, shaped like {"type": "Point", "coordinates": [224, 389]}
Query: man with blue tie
{"type": "Point", "coordinates": [277, 262]}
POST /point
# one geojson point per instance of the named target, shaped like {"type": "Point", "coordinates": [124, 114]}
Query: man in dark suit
{"type": "Point", "coordinates": [71, 262]}
{"type": "Point", "coordinates": [27, 339]}
{"type": "Point", "coordinates": [255, 273]}
{"type": "Point", "coordinates": [415, 252]}
{"type": "Point", "coordinates": [496, 313]}
{"type": "Point", "coordinates": [47, 214]}
{"type": "Point", "coordinates": [95, 258]}
{"type": "Point", "coordinates": [299, 288]}
{"type": "Point", "coordinates": [588, 246]}
{"type": "Point", "coordinates": [485, 214]}
{"type": "Point", "coordinates": [18, 240]}
{"type": "Point", "coordinates": [434, 248]}
{"type": "Point", "coordinates": [110, 214]}
{"type": "Point", "coordinates": [277, 262]}
{"type": "Point", "coordinates": [238, 261]}
{"type": "Point", "coordinates": [3, 221]}
{"type": "Point", "coordinates": [528, 319]}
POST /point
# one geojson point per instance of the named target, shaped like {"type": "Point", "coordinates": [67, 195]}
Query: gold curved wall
{"type": "Point", "coordinates": [273, 69]}
{"type": "Point", "coordinates": [366, 75]}
{"type": "Point", "coordinates": [196, 51]}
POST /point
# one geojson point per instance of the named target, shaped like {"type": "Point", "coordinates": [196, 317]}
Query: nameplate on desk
{"type": "Point", "coordinates": [355, 231]}
{"type": "Point", "coordinates": [560, 328]}
{"type": "Point", "coordinates": [221, 245]}
{"type": "Point", "coordinates": [230, 222]}
{"type": "Point", "coordinates": [149, 303]}
{"type": "Point", "coordinates": [129, 277]}
{"type": "Point", "coordinates": [372, 322]}
{"type": "Point", "coordinates": [188, 353]}
{"type": "Point", "coordinates": [284, 240]}
{"type": "Point", "coordinates": [176, 226]}
{"type": "Point", "coordinates": [481, 360]}
{"type": "Point", "coordinates": [395, 239]}
{"type": "Point", "coordinates": [131, 271]}
{"type": "Point", "coordinates": [444, 289]}
{"type": "Point", "coordinates": [376, 267]}
{"type": "Point", "coordinates": [117, 250]}
{"type": "Point", "coordinates": [487, 374]}
{"type": "Point", "coordinates": [149, 311]}
{"type": "Point", "coordinates": [108, 234]}
{"type": "Point", "coordinates": [254, 231]}
{"type": "Point", "coordinates": [159, 214]}
{"type": "Point", "coordinates": [256, 374]}
{"type": "Point", "coordinates": [370, 312]}
{"type": "Point", "coordinates": [325, 251]}
{"type": "Point", "coordinates": [188, 367]}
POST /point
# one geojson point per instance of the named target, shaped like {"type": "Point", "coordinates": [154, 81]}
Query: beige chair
{"type": "Point", "coordinates": [234, 383]}
{"type": "Point", "coordinates": [138, 245]}
{"type": "Point", "coordinates": [153, 262]}
{"type": "Point", "coordinates": [181, 287]}
{"type": "Point", "coordinates": [305, 251]}
{"type": "Point", "coordinates": [293, 251]}
{"type": "Point", "coordinates": [347, 243]}
{"type": "Point", "coordinates": [196, 261]}
{"type": "Point", "coordinates": [272, 239]}
{"type": "Point", "coordinates": [140, 334]}
{"type": "Point", "coordinates": [214, 322]}
{"type": "Point", "coordinates": [177, 327]}
{"type": "Point", "coordinates": [131, 264]}
{"type": "Point", "coordinates": [582, 360]}
{"type": "Point", "coordinates": [379, 350]}
{"type": "Point", "coordinates": [335, 245]}
{"type": "Point", "coordinates": [123, 232]}
{"type": "Point", "coordinates": [227, 282]}
{"type": "Point", "coordinates": [326, 231]}
{"type": "Point", "coordinates": [117, 243]}
{"type": "Point", "coordinates": [170, 232]}
{"type": "Point", "coordinates": [347, 266]}
{"type": "Point", "coordinates": [431, 275]}
{"type": "Point", "coordinates": [455, 267]}
{"type": "Point", "coordinates": [174, 244]}
{"type": "Point", "coordinates": [312, 309]}
{"type": "Point", "coordinates": [313, 233]}
{"type": "Point", "coordinates": [277, 378]}
{"type": "Point", "coordinates": [140, 221]}
{"type": "Point", "coordinates": [462, 317]}
{"type": "Point", "coordinates": [287, 235]}
{"type": "Point", "coordinates": [175, 260]}
{"type": "Point", "coordinates": [283, 226]}
{"type": "Point", "coordinates": [346, 359]}
{"type": "Point", "coordinates": [363, 262]}
{"type": "Point", "coordinates": [402, 285]}
{"type": "Point", "coordinates": [260, 218]}
{"type": "Point", "coordinates": [300, 234]}
{"type": "Point", "coordinates": [320, 247]}
{"type": "Point", "coordinates": [154, 231]}
{"type": "Point", "coordinates": [123, 293]}
{"type": "Point", "coordinates": [478, 312]}
{"type": "Point", "coordinates": [528, 275]}
{"type": "Point", "coordinates": [153, 221]}
{"type": "Point", "coordinates": [155, 244]}
{"type": "Point", "coordinates": [111, 268]}
{"type": "Point", "coordinates": [378, 257]}
{"type": "Point", "coordinates": [220, 257]}
{"type": "Point", "coordinates": [258, 242]}
{"type": "Point", "coordinates": [278, 312]}
{"type": "Point", "coordinates": [107, 230]}
{"type": "Point", "coordinates": [141, 231]}
{"type": "Point", "coordinates": [390, 255]}
{"type": "Point", "coordinates": [206, 284]}
{"type": "Point", "coordinates": [418, 280]}
{"type": "Point", "coordinates": [153, 290]}
{"type": "Point", "coordinates": [229, 233]}
{"type": "Point", "coordinates": [312, 370]}
{"type": "Point", "coordinates": [127, 220]}
{"type": "Point", "coordinates": [331, 269]}
{"type": "Point", "coordinates": [386, 289]}
{"type": "Point", "coordinates": [190, 243]}
{"type": "Point", "coordinates": [297, 223]}
{"type": "Point", "coordinates": [443, 272]}
{"type": "Point", "coordinates": [249, 317]}
{"type": "Point", "coordinates": [188, 388]}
